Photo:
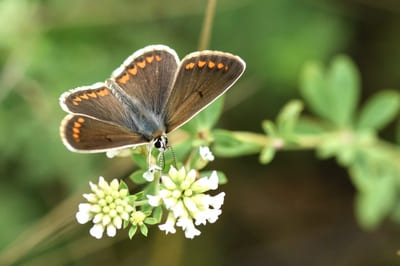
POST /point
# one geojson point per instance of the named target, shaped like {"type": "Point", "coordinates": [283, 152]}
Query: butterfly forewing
{"type": "Point", "coordinates": [96, 101]}
{"type": "Point", "coordinates": [202, 77]}
{"type": "Point", "coordinates": [147, 76]}
{"type": "Point", "coordinates": [86, 134]}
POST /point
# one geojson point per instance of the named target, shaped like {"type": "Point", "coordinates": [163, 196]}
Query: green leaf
{"type": "Point", "coordinates": [140, 195]}
{"type": "Point", "coordinates": [379, 110]}
{"type": "Point", "coordinates": [126, 223]}
{"type": "Point", "coordinates": [313, 88]}
{"type": "Point", "coordinates": [227, 145]}
{"type": "Point", "coordinates": [132, 231]}
{"type": "Point", "coordinates": [143, 229]}
{"type": "Point", "coordinates": [269, 128]}
{"type": "Point", "coordinates": [206, 119]}
{"type": "Point", "coordinates": [137, 177]}
{"type": "Point", "coordinates": [343, 90]}
{"type": "Point", "coordinates": [334, 95]}
{"type": "Point", "coordinates": [157, 213]}
{"type": "Point", "coordinates": [151, 220]}
{"type": "Point", "coordinates": [377, 192]}
{"type": "Point", "coordinates": [267, 154]}
{"type": "Point", "coordinates": [131, 199]}
{"type": "Point", "coordinates": [309, 127]}
{"type": "Point", "coordinates": [288, 117]}
{"type": "Point", "coordinates": [123, 185]}
{"type": "Point", "coordinates": [140, 160]}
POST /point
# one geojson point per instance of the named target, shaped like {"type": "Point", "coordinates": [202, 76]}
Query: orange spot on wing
{"type": "Point", "coordinates": [92, 94]}
{"type": "Point", "coordinates": [102, 92]}
{"type": "Point", "coordinates": [123, 79]}
{"type": "Point", "coordinates": [77, 99]}
{"type": "Point", "coordinates": [77, 125]}
{"type": "Point", "coordinates": [201, 64]}
{"type": "Point", "coordinates": [211, 64]}
{"type": "Point", "coordinates": [76, 136]}
{"type": "Point", "coordinates": [81, 120]}
{"type": "Point", "coordinates": [133, 70]}
{"type": "Point", "coordinates": [141, 64]}
{"type": "Point", "coordinates": [75, 103]}
{"type": "Point", "coordinates": [150, 59]}
{"type": "Point", "coordinates": [226, 68]}
{"type": "Point", "coordinates": [84, 96]}
{"type": "Point", "coordinates": [189, 66]}
{"type": "Point", "coordinates": [76, 130]}
{"type": "Point", "coordinates": [220, 65]}
{"type": "Point", "coordinates": [158, 58]}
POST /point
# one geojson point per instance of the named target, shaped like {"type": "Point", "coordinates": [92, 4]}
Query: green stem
{"type": "Point", "coordinates": [207, 25]}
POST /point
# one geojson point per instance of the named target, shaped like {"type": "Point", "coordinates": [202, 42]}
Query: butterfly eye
{"type": "Point", "coordinates": [157, 143]}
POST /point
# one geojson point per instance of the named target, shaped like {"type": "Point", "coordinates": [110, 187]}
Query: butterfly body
{"type": "Point", "coordinates": [149, 95]}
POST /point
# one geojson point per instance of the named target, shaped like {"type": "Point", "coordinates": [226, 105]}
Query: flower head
{"type": "Point", "coordinates": [206, 154]}
{"type": "Point", "coordinates": [107, 207]}
{"type": "Point", "coordinates": [182, 193]}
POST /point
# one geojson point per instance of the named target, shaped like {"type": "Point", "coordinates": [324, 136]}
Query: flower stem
{"type": "Point", "coordinates": [207, 25]}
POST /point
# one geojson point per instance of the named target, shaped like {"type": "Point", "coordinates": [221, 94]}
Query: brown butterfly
{"type": "Point", "coordinates": [149, 95]}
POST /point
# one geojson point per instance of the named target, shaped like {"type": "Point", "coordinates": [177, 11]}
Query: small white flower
{"type": "Point", "coordinates": [108, 207]}
{"type": "Point", "coordinates": [206, 154]}
{"type": "Point", "coordinates": [184, 197]}
{"type": "Point", "coordinates": [154, 200]}
{"type": "Point", "coordinates": [149, 174]}
{"type": "Point", "coordinates": [169, 226]}
{"type": "Point", "coordinates": [119, 152]}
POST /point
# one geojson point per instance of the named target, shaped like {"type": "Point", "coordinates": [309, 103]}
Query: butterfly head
{"type": "Point", "coordinates": [161, 143]}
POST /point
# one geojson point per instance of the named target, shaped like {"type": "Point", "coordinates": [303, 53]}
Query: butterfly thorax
{"type": "Point", "coordinates": [139, 119]}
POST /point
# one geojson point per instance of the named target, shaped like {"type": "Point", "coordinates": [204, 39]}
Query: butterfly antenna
{"type": "Point", "coordinates": [173, 155]}
{"type": "Point", "coordinates": [161, 160]}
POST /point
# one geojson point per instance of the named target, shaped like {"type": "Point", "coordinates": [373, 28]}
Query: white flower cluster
{"type": "Point", "coordinates": [108, 206]}
{"type": "Point", "coordinates": [183, 195]}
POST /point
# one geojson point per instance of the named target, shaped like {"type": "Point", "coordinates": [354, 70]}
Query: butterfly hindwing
{"type": "Point", "coordinates": [86, 134]}
{"type": "Point", "coordinates": [147, 76]}
{"type": "Point", "coordinates": [202, 77]}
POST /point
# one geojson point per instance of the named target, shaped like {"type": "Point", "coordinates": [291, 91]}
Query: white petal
{"type": "Point", "coordinates": [168, 183]}
{"type": "Point", "coordinates": [213, 215]}
{"type": "Point", "coordinates": [114, 184]}
{"type": "Point", "coordinates": [201, 185]}
{"type": "Point", "coordinates": [106, 220]}
{"type": "Point", "coordinates": [148, 175]}
{"type": "Point", "coordinates": [112, 153]}
{"type": "Point", "coordinates": [206, 154]}
{"type": "Point", "coordinates": [97, 218]}
{"type": "Point", "coordinates": [84, 207]}
{"type": "Point", "coordinates": [217, 200]}
{"type": "Point", "coordinates": [191, 232]}
{"type": "Point", "coordinates": [111, 230]}
{"type": "Point", "coordinates": [201, 218]}
{"type": "Point", "coordinates": [213, 180]}
{"type": "Point", "coordinates": [93, 187]}
{"type": "Point", "coordinates": [91, 197]}
{"type": "Point", "coordinates": [83, 217]}
{"type": "Point", "coordinates": [169, 226]}
{"type": "Point", "coordinates": [190, 205]}
{"type": "Point", "coordinates": [97, 231]}
{"type": "Point", "coordinates": [173, 173]}
{"type": "Point", "coordinates": [169, 202]}
{"type": "Point", "coordinates": [179, 209]}
{"type": "Point", "coordinates": [154, 200]}
{"type": "Point", "coordinates": [102, 183]}
{"type": "Point", "coordinates": [117, 222]}
{"type": "Point", "coordinates": [164, 193]}
{"type": "Point", "coordinates": [185, 222]}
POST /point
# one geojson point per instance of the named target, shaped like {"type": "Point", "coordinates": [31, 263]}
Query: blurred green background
{"type": "Point", "coordinates": [295, 211]}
